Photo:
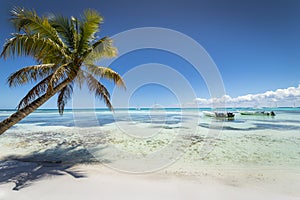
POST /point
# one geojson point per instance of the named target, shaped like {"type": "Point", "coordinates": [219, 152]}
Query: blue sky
{"type": "Point", "coordinates": [254, 43]}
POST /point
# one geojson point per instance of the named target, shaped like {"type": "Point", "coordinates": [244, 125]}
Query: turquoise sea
{"type": "Point", "coordinates": [144, 140]}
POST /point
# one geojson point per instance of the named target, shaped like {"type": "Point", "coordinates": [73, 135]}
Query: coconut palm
{"type": "Point", "coordinates": [65, 50]}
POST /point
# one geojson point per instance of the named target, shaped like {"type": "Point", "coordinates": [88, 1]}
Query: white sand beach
{"type": "Point", "coordinates": [169, 100]}
{"type": "Point", "coordinates": [250, 160]}
{"type": "Point", "coordinates": [100, 182]}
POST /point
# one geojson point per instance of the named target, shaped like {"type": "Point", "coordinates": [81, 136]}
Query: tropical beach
{"type": "Point", "coordinates": [251, 158]}
{"type": "Point", "coordinates": [165, 100]}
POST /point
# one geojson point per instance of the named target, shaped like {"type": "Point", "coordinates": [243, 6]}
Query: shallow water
{"type": "Point", "coordinates": [150, 139]}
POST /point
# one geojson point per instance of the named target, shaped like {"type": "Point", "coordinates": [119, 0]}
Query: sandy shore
{"type": "Point", "coordinates": [98, 182]}
{"type": "Point", "coordinates": [252, 159]}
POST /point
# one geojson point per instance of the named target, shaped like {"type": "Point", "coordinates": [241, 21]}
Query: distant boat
{"type": "Point", "coordinates": [220, 115]}
{"type": "Point", "coordinates": [258, 113]}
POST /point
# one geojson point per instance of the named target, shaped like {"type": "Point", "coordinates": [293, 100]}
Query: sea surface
{"type": "Point", "coordinates": [145, 140]}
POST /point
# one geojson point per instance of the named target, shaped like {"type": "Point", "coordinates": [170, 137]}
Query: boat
{"type": "Point", "coordinates": [258, 113]}
{"type": "Point", "coordinates": [220, 115]}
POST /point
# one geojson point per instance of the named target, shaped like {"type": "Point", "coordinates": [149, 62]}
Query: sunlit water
{"type": "Point", "coordinates": [181, 138]}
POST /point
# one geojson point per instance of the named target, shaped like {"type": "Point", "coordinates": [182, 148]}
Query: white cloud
{"type": "Point", "coordinates": [284, 97]}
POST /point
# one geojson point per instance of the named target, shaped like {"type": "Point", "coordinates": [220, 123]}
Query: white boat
{"type": "Point", "coordinates": [258, 113]}
{"type": "Point", "coordinates": [224, 115]}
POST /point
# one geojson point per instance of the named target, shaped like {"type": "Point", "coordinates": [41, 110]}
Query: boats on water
{"type": "Point", "coordinates": [258, 113]}
{"type": "Point", "coordinates": [220, 115]}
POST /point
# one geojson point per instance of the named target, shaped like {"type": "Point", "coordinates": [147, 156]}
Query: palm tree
{"type": "Point", "coordinates": [65, 51]}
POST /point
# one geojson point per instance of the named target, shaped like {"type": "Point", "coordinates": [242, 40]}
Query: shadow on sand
{"type": "Point", "coordinates": [56, 161]}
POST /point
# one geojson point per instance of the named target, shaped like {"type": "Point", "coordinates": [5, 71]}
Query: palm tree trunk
{"type": "Point", "coordinates": [22, 113]}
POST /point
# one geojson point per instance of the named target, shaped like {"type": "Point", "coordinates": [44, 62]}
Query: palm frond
{"type": "Point", "coordinates": [43, 50]}
{"type": "Point", "coordinates": [38, 90]}
{"type": "Point", "coordinates": [100, 90]}
{"type": "Point", "coordinates": [63, 96]}
{"type": "Point", "coordinates": [63, 72]}
{"type": "Point", "coordinates": [31, 23]}
{"type": "Point", "coordinates": [80, 78]}
{"type": "Point", "coordinates": [103, 48]}
{"type": "Point", "coordinates": [88, 28]}
{"type": "Point", "coordinates": [60, 74]}
{"type": "Point", "coordinates": [105, 72]}
{"type": "Point", "coordinates": [62, 47]}
{"type": "Point", "coordinates": [30, 74]}
{"type": "Point", "coordinates": [77, 36]}
{"type": "Point", "coordinates": [66, 30]}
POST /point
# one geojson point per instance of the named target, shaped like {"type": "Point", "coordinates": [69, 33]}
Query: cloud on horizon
{"type": "Point", "coordinates": [280, 97]}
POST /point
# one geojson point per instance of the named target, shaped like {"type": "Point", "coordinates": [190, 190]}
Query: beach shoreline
{"type": "Point", "coordinates": [100, 182]}
{"type": "Point", "coordinates": [252, 158]}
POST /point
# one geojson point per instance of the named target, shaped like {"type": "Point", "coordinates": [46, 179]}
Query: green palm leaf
{"type": "Point", "coordinates": [42, 49]}
{"type": "Point", "coordinates": [62, 47]}
{"type": "Point", "coordinates": [30, 74]}
{"type": "Point", "coordinates": [98, 89]}
{"type": "Point", "coordinates": [103, 48]}
{"type": "Point", "coordinates": [80, 78]}
{"type": "Point", "coordinates": [37, 91]}
{"type": "Point", "coordinates": [66, 30]}
{"type": "Point", "coordinates": [63, 96]}
{"type": "Point", "coordinates": [31, 23]}
{"type": "Point", "coordinates": [62, 73]}
{"type": "Point", "coordinates": [104, 72]}
{"type": "Point", "coordinates": [89, 26]}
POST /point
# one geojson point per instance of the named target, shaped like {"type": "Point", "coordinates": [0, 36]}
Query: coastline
{"type": "Point", "coordinates": [101, 182]}
{"type": "Point", "coordinates": [253, 158]}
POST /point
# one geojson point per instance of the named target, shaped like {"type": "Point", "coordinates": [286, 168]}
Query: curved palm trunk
{"type": "Point", "coordinates": [22, 113]}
